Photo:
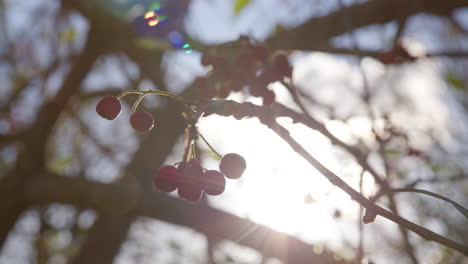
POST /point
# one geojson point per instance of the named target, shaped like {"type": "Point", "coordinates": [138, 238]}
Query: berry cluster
{"type": "Point", "coordinates": [398, 54]}
{"type": "Point", "coordinates": [253, 68]}
{"type": "Point", "coordinates": [191, 179]}
{"type": "Point", "coordinates": [109, 108]}
{"type": "Point", "coordinates": [188, 176]}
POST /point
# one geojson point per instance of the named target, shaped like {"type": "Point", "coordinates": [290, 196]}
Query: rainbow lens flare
{"type": "Point", "coordinates": [153, 22]}
{"type": "Point", "coordinates": [159, 19]}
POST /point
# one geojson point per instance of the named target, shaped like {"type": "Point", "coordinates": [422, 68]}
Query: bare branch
{"type": "Point", "coordinates": [267, 115]}
{"type": "Point", "coordinates": [120, 198]}
{"type": "Point", "coordinates": [316, 33]}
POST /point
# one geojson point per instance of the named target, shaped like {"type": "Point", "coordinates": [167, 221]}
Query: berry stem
{"type": "Point", "coordinates": [137, 102]}
{"type": "Point", "coordinates": [194, 152]}
{"type": "Point", "coordinates": [162, 93]}
{"type": "Point", "coordinates": [209, 145]}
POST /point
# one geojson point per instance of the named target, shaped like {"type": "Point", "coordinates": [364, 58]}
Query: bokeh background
{"type": "Point", "coordinates": [75, 188]}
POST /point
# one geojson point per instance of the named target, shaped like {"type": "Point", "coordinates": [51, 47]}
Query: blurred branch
{"type": "Point", "coordinates": [436, 179]}
{"type": "Point", "coordinates": [317, 32]}
{"type": "Point", "coordinates": [119, 198]}
{"type": "Point", "coordinates": [376, 54]}
{"type": "Point", "coordinates": [360, 251]}
{"type": "Point", "coordinates": [267, 115]}
{"type": "Point", "coordinates": [337, 181]}
{"type": "Point", "coordinates": [31, 160]}
{"type": "Point", "coordinates": [11, 138]}
{"type": "Point", "coordinates": [458, 206]}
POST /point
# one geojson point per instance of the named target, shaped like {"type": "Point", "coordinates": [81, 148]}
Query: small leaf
{"type": "Point", "coordinates": [239, 5]}
{"type": "Point", "coordinates": [455, 80]}
{"type": "Point", "coordinates": [461, 209]}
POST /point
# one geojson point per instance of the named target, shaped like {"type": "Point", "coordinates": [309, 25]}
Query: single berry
{"type": "Point", "coordinates": [281, 65]}
{"type": "Point", "coordinates": [260, 52]}
{"type": "Point", "coordinates": [209, 91]}
{"type": "Point", "coordinates": [196, 168]}
{"type": "Point", "coordinates": [271, 75]}
{"type": "Point", "coordinates": [213, 182]}
{"type": "Point", "coordinates": [167, 178]}
{"type": "Point", "coordinates": [219, 62]}
{"type": "Point", "coordinates": [246, 59]}
{"type": "Point", "coordinates": [206, 60]}
{"type": "Point", "coordinates": [190, 190]}
{"type": "Point", "coordinates": [268, 97]}
{"type": "Point", "coordinates": [191, 169]}
{"type": "Point", "coordinates": [387, 58]}
{"type": "Point", "coordinates": [221, 67]}
{"type": "Point", "coordinates": [200, 82]}
{"type": "Point", "coordinates": [243, 75]}
{"type": "Point", "coordinates": [109, 107]}
{"type": "Point", "coordinates": [142, 121]}
{"type": "Point", "coordinates": [232, 165]}
{"type": "Point", "coordinates": [232, 85]}
{"type": "Point", "coordinates": [257, 90]}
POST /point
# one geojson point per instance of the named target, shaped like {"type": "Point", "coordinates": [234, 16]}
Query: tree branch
{"type": "Point", "coordinates": [267, 115]}
{"type": "Point", "coordinates": [118, 199]}
{"type": "Point", "coordinates": [317, 32]}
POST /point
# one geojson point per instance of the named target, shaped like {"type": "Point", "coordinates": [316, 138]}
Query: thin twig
{"type": "Point", "coordinates": [268, 114]}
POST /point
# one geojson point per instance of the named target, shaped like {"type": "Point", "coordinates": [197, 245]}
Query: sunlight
{"type": "Point", "coordinates": [277, 179]}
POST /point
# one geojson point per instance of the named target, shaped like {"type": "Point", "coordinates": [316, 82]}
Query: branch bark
{"type": "Point", "coordinates": [316, 33]}
{"type": "Point", "coordinates": [117, 199]}
{"type": "Point", "coordinates": [31, 160]}
{"type": "Point", "coordinates": [268, 114]}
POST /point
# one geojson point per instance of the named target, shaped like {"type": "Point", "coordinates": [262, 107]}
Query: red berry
{"type": "Point", "coordinates": [257, 90]}
{"type": "Point", "coordinates": [221, 67]}
{"type": "Point", "coordinates": [281, 65]}
{"type": "Point", "coordinates": [219, 62]}
{"type": "Point", "coordinates": [142, 121]}
{"type": "Point", "coordinates": [246, 59]}
{"type": "Point", "coordinates": [213, 182]}
{"type": "Point", "coordinates": [268, 97]}
{"type": "Point", "coordinates": [271, 75]}
{"type": "Point", "coordinates": [167, 178]}
{"type": "Point", "coordinates": [224, 91]}
{"type": "Point", "coordinates": [191, 169]}
{"type": "Point", "coordinates": [233, 85]}
{"type": "Point", "coordinates": [190, 190]}
{"type": "Point", "coordinates": [387, 58]}
{"type": "Point", "coordinates": [232, 165]}
{"type": "Point", "coordinates": [206, 60]}
{"type": "Point", "coordinates": [209, 91]}
{"type": "Point", "coordinates": [196, 168]}
{"type": "Point", "coordinates": [200, 82]}
{"type": "Point", "coordinates": [260, 52]}
{"type": "Point", "coordinates": [109, 107]}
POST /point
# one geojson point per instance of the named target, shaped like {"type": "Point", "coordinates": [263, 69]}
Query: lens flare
{"type": "Point", "coordinates": [153, 22]}
{"type": "Point", "coordinates": [149, 14]}
{"type": "Point", "coordinates": [187, 48]}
